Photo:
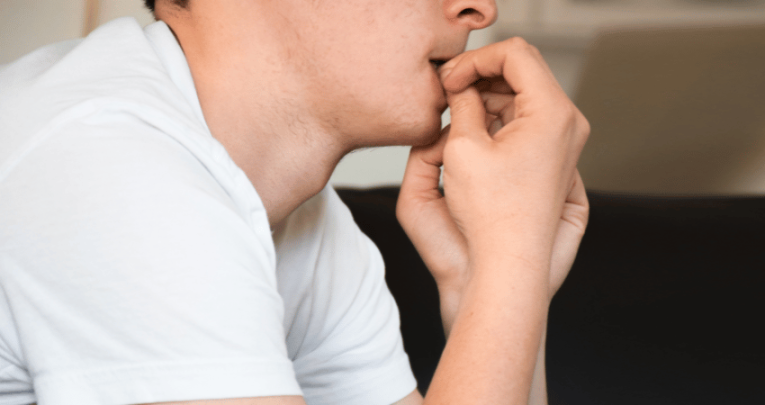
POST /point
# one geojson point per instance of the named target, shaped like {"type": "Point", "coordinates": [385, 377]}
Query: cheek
{"type": "Point", "coordinates": [394, 86]}
{"type": "Point", "coordinates": [418, 99]}
{"type": "Point", "coordinates": [384, 100]}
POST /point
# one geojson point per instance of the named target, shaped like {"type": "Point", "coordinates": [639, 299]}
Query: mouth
{"type": "Point", "coordinates": [437, 63]}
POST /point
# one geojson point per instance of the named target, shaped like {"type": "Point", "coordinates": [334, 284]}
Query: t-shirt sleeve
{"type": "Point", "coordinates": [133, 276]}
{"type": "Point", "coordinates": [347, 341]}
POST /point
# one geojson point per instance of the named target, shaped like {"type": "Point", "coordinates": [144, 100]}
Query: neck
{"type": "Point", "coordinates": [258, 111]}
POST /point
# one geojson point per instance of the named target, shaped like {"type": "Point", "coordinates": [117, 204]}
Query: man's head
{"type": "Point", "coordinates": [363, 68]}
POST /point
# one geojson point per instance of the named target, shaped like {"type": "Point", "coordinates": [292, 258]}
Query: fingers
{"type": "Point", "coordinates": [494, 126]}
{"type": "Point", "coordinates": [500, 109]}
{"type": "Point", "coordinates": [519, 63]}
{"type": "Point", "coordinates": [493, 85]}
{"type": "Point", "coordinates": [468, 113]}
{"type": "Point", "coordinates": [423, 170]}
{"type": "Point", "coordinates": [499, 105]}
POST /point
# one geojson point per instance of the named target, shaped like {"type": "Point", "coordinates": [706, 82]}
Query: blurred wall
{"type": "Point", "coordinates": [675, 110]}
{"type": "Point", "coordinates": [673, 88]}
{"type": "Point", "coordinates": [28, 24]}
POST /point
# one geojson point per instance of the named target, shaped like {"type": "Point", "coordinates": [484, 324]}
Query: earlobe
{"type": "Point", "coordinates": [475, 14]}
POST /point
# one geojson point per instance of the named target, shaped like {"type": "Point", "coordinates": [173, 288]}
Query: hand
{"type": "Point", "coordinates": [511, 185]}
{"type": "Point", "coordinates": [425, 217]}
{"type": "Point", "coordinates": [498, 100]}
{"type": "Point", "coordinates": [510, 169]}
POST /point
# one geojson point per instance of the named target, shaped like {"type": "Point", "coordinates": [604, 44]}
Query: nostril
{"type": "Point", "coordinates": [476, 18]}
{"type": "Point", "coordinates": [467, 12]}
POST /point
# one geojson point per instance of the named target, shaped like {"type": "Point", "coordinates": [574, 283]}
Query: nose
{"type": "Point", "coordinates": [474, 14]}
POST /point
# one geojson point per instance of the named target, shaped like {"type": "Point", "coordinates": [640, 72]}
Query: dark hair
{"type": "Point", "coordinates": [180, 3]}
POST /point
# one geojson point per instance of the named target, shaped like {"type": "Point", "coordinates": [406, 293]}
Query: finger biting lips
{"type": "Point", "coordinates": [437, 63]}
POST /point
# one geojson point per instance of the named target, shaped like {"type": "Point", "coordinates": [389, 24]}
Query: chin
{"type": "Point", "coordinates": [423, 133]}
{"type": "Point", "coordinates": [418, 122]}
{"type": "Point", "coordinates": [415, 124]}
{"type": "Point", "coordinates": [426, 138]}
{"type": "Point", "coordinates": [429, 133]}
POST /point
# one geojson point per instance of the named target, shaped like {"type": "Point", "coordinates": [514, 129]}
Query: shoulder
{"type": "Point", "coordinates": [116, 54]}
{"type": "Point", "coordinates": [111, 75]}
{"type": "Point", "coordinates": [103, 180]}
{"type": "Point", "coordinates": [108, 113]}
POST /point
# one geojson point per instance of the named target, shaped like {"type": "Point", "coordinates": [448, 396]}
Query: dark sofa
{"type": "Point", "coordinates": [664, 304]}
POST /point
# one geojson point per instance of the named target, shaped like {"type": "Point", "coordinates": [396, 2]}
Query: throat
{"type": "Point", "coordinates": [286, 167]}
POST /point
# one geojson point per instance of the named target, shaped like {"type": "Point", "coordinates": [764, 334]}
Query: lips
{"type": "Point", "coordinates": [444, 53]}
{"type": "Point", "coordinates": [437, 63]}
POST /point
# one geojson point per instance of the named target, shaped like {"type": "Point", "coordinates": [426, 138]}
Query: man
{"type": "Point", "coordinates": [167, 235]}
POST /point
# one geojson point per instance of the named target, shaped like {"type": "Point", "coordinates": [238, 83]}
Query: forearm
{"type": "Point", "coordinates": [492, 349]}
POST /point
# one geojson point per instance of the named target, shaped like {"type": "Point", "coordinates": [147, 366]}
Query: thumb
{"type": "Point", "coordinates": [423, 170]}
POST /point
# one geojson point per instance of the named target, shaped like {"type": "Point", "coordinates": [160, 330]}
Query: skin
{"type": "Point", "coordinates": [289, 95]}
{"type": "Point", "coordinates": [500, 255]}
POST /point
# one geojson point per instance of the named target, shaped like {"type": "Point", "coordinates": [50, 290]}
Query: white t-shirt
{"type": "Point", "coordinates": [136, 260]}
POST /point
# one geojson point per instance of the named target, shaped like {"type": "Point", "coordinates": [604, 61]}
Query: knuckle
{"type": "Point", "coordinates": [585, 126]}
{"type": "Point", "coordinates": [456, 147]}
{"type": "Point", "coordinates": [454, 143]}
{"type": "Point", "coordinates": [560, 101]}
{"type": "Point", "coordinates": [571, 111]}
{"type": "Point", "coordinates": [516, 43]}
{"type": "Point", "coordinates": [565, 112]}
{"type": "Point", "coordinates": [579, 122]}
